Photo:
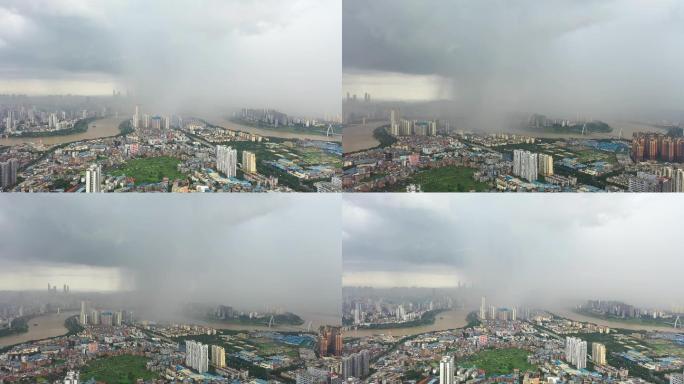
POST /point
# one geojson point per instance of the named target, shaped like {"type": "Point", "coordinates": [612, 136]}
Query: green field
{"type": "Point", "coordinates": [118, 370]}
{"type": "Point", "coordinates": [499, 361]}
{"type": "Point", "coordinates": [150, 169]}
{"type": "Point", "coordinates": [665, 347]}
{"type": "Point", "coordinates": [448, 179]}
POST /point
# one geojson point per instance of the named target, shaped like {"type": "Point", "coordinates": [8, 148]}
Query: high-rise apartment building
{"type": "Point", "coordinates": [446, 370]}
{"type": "Point", "coordinates": [218, 356]}
{"type": "Point", "coordinates": [248, 162]}
{"type": "Point", "coordinates": [525, 164]}
{"type": "Point", "coordinates": [483, 309]}
{"type": "Point", "coordinates": [576, 352]}
{"type": "Point", "coordinates": [598, 353]}
{"type": "Point", "coordinates": [356, 365]}
{"type": "Point", "coordinates": [226, 160]}
{"type": "Point", "coordinates": [8, 172]}
{"type": "Point", "coordinates": [545, 164]}
{"type": "Point", "coordinates": [93, 179]}
{"type": "Point", "coordinates": [197, 356]}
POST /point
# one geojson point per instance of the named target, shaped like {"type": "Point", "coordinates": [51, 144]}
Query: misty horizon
{"type": "Point", "coordinates": [606, 60]}
{"type": "Point", "coordinates": [538, 248]}
{"type": "Point", "coordinates": [173, 56]}
{"type": "Point", "coordinates": [251, 251]}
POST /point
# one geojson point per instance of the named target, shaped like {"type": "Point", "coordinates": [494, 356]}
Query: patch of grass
{"type": "Point", "coordinates": [448, 179]}
{"type": "Point", "coordinates": [118, 370]}
{"type": "Point", "coordinates": [499, 361]}
{"type": "Point", "coordinates": [150, 169]}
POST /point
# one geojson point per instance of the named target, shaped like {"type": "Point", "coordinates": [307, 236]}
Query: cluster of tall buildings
{"type": "Point", "coordinates": [356, 365]}
{"type": "Point", "coordinates": [403, 127]}
{"type": "Point", "coordinates": [528, 165]}
{"type": "Point", "coordinates": [666, 179]}
{"type": "Point", "coordinates": [657, 146]}
{"type": "Point", "coordinates": [494, 313]}
{"type": "Point", "coordinates": [314, 375]}
{"type": "Point", "coordinates": [525, 164]}
{"type": "Point", "coordinates": [226, 160]}
{"type": "Point", "coordinates": [330, 341]}
{"type": "Point", "coordinates": [92, 316]}
{"type": "Point", "coordinates": [8, 172]}
{"type": "Point", "coordinates": [576, 352]}
{"type": "Point", "coordinates": [93, 179]}
{"type": "Point", "coordinates": [53, 288]}
{"type": "Point", "coordinates": [197, 356]}
{"type": "Point", "coordinates": [353, 98]}
{"type": "Point", "coordinates": [146, 121]}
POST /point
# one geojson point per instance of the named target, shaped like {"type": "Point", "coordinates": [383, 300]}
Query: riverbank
{"type": "Point", "coordinates": [452, 319]}
{"type": "Point", "coordinates": [105, 127]}
{"type": "Point", "coordinates": [359, 137]}
{"type": "Point", "coordinates": [228, 124]}
{"type": "Point", "coordinates": [572, 315]}
{"type": "Point", "coordinates": [39, 328]}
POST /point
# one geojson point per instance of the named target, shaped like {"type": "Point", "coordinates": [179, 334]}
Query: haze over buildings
{"type": "Point", "coordinates": [601, 59]}
{"type": "Point", "coordinates": [253, 253]}
{"type": "Point", "coordinates": [200, 57]}
{"type": "Point", "coordinates": [529, 250]}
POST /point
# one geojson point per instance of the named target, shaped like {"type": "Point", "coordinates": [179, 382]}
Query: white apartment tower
{"type": "Point", "coordinates": [525, 164]}
{"type": "Point", "coordinates": [93, 179]}
{"type": "Point", "coordinates": [483, 309]}
{"type": "Point", "coordinates": [197, 356]}
{"type": "Point", "coordinates": [446, 370]}
{"type": "Point", "coordinates": [226, 160]}
{"type": "Point", "coordinates": [576, 352]}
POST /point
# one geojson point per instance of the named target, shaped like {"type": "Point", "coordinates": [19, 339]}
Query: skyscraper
{"type": "Point", "coordinates": [218, 356]}
{"type": "Point", "coordinates": [93, 179]}
{"type": "Point", "coordinates": [136, 117]}
{"type": "Point", "coordinates": [576, 352]}
{"type": "Point", "coordinates": [8, 172]}
{"type": "Point", "coordinates": [394, 124]}
{"type": "Point", "coordinates": [197, 356]}
{"type": "Point", "coordinates": [483, 309]}
{"type": "Point", "coordinates": [598, 353]}
{"type": "Point", "coordinates": [356, 365]}
{"type": "Point", "coordinates": [248, 162]}
{"type": "Point", "coordinates": [9, 123]}
{"type": "Point", "coordinates": [545, 164]}
{"type": "Point", "coordinates": [226, 160]}
{"type": "Point", "coordinates": [446, 370]}
{"type": "Point", "coordinates": [83, 317]}
{"type": "Point", "coordinates": [525, 164]}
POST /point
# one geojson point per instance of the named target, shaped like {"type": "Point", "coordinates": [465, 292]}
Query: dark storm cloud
{"type": "Point", "coordinates": [251, 251]}
{"type": "Point", "coordinates": [519, 247]}
{"type": "Point", "coordinates": [175, 55]}
{"type": "Point", "coordinates": [497, 56]}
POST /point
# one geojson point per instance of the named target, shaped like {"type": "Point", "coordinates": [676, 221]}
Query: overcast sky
{"type": "Point", "coordinates": [532, 248]}
{"type": "Point", "coordinates": [251, 252]}
{"type": "Point", "coordinates": [177, 54]}
{"type": "Point", "coordinates": [559, 56]}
